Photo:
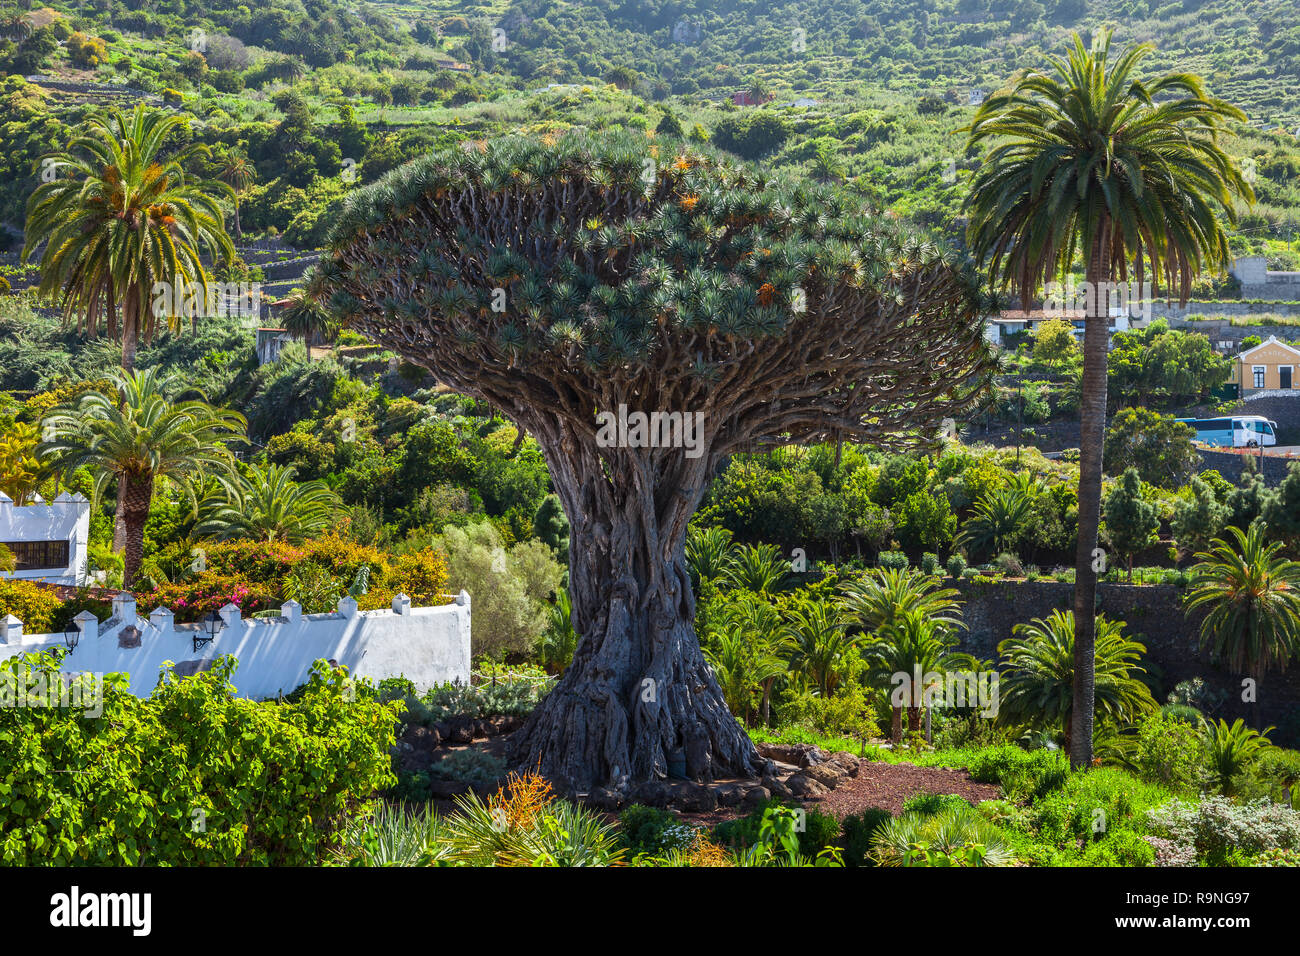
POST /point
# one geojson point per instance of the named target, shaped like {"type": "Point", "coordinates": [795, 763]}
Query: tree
{"type": "Point", "coordinates": [267, 504]}
{"type": "Point", "coordinates": [1132, 524]}
{"type": "Point", "coordinates": [882, 596]}
{"type": "Point", "coordinates": [1157, 446]}
{"type": "Point", "coordinates": [821, 645]}
{"type": "Point", "coordinates": [627, 283]}
{"type": "Point", "coordinates": [1233, 750]}
{"type": "Point", "coordinates": [1246, 501]}
{"type": "Point", "coordinates": [1037, 684]}
{"type": "Point", "coordinates": [1128, 175]}
{"type": "Point", "coordinates": [137, 435]}
{"type": "Point", "coordinates": [237, 171]}
{"type": "Point", "coordinates": [306, 319]}
{"type": "Point", "coordinates": [1280, 508]}
{"type": "Point", "coordinates": [1250, 598]}
{"type": "Point", "coordinates": [999, 521]}
{"type": "Point", "coordinates": [121, 223]}
{"type": "Point", "coordinates": [912, 645]}
{"type": "Point", "coordinates": [1198, 517]}
{"type": "Point", "coordinates": [1158, 364]}
{"type": "Point", "coordinates": [1054, 343]}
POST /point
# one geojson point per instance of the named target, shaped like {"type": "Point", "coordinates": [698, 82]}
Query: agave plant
{"type": "Point", "coordinates": [956, 836]}
{"type": "Point", "coordinates": [394, 835]}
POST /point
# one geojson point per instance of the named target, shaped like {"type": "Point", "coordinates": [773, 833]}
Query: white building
{"type": "Point", "coordinates": [426, 645]}
{"type": "Point", "coordinates": [48, 539]}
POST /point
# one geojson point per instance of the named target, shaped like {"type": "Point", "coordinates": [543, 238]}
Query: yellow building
{"type": "Point", "coordinates": [1270, 366]}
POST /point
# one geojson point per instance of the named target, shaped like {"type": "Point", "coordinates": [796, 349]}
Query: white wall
{"type": "Point", "coordinates": [66, 518]}
{"type": "Point", "coordinates": [428, 645]}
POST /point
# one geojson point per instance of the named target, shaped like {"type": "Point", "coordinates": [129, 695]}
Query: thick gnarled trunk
{"type": "Point", "coordinates": [639, 694]}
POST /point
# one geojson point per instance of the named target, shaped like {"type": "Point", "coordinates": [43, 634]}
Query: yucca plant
{"type": "Point", "coordinates": [394, 835]}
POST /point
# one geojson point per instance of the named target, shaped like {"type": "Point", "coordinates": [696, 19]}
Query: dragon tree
{"type": "Point", "coordinates": [579, 280]}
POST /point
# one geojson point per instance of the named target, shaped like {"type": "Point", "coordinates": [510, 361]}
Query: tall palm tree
{"type": "Point", "coordinates": [138, 435]}
{"type": "Point", "coordinates": [237, 171]}
{"type": "Point", "coordinates": [267, 504]}
{"type": "Point", "coordinates": [1250, 596]}
{"type": "Point", "coordinates": [1090, 161]}
{"type": "Point", "coordinates": [121, 220]}
{"type": "Point", "coordinates": [1038, 674]}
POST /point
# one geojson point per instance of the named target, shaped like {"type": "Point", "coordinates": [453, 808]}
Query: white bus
{"type": "Point", "coordinates": [1237, 431]}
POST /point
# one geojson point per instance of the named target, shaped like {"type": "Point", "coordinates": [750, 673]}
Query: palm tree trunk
{"type": "Point", "coordinates": [895, 724]}
{"type": "Point", "coordinates": [130, 326]}
{"type": "Point", "coordinates": [1092, 428]}
{"type": "Point", "coordinates": [137, 495]}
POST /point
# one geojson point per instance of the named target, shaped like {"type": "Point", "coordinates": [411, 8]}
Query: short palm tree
{"type": "Point", "coordinates": [1233, 749]}
{"type": "Point", "coordinates": [135, 433]}
{"type": "Point", "coordinates": [748, 654]}
{"type": "Point", "coordinates": [759, 568]}
{"type": "Point", "coordinates": [560, 639]}
{"type": "Point", "coordinates": [709, 554]}
{"type": "Point", "coordinates": [998, 521]}
{"type": "Point", "coordinates": [267, 504]}
{"type": "Point", "coordinates": [122, 223]}
{"type": "Point", "coordinates": [1090, 162]}
{"type": "Point", "coordinates": [1037, 684]}
{"type": "Point", "coordinates": [306, 319]}
{"type": "Point", "coordinates": [1249, 595]}
{"type": "Point", "coordinates": [882, 596]}
{"type": "Point", "coordinates": [901, 656]}
{"type": "Point", "coordinates": [821, 646]}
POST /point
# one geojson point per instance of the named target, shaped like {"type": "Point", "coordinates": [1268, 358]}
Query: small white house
{"type": "Point", "coordinates": [48, 539]}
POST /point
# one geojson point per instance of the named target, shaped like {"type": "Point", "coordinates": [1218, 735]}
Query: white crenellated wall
{"type": "Point", "coordinates": [427, 645]}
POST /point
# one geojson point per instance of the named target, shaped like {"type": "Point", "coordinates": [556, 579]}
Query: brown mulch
{"type": "Point", "coordinates": [883, 785]}
{"type": "Point", "coordinates": [888, 785]}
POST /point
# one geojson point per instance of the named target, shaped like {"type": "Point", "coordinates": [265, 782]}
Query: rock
{"type": "Point", "coordinates": [828, 774]}
{"type": "Point", "coordinates": [775, 787]}
{"type": "Point", "coordinates": [483, 728]}
{"type": "Point", "coordinates": [850, 763]}
{"type": "Point", "coordinates": [754, 797]}
{"type": "Point", "coordinates": [443, 729]}
{"type": "Point", "coordinates": [698, 798]}
{"type": "Point", "coordinates": [462, 730]}
{"type": "Point", "coordinates": [812, 757]}
{"type": "Point", "coordinates": [651, 793]}
{"type": "Point", "coordinates": [603, 798]}
{"type": "Point", "coordinates": [802, 785]}
{"type": "Point", "coordinates": [730, 794]}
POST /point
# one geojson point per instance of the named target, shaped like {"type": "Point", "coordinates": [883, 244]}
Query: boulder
{"type": "Point", "coordinates": [803, 785]}
{"type": "Point", "coordinates": [754, 797]}
{"type": "Point", "coordinates": [698, 798]}
{"type": "Point", "coordinates": [603, 798]}
{"type": "Point", "coordinates": [850, 763]}
{"type": "Point", "coordinates": [775, 787]}
{"type": "Point", "coordinates": [730, 794]}
{"type": "Point", "coordinates": [651, 793]}
{"type": "Point", "coordinates": [827, 774]}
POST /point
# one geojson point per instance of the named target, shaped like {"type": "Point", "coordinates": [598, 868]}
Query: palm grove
{"type": "Point", "coordinates": [573, 276]}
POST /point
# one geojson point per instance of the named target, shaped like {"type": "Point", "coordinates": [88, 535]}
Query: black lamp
{"type": "Point", "coordinates": [208, 628]}
{"type": "Point", "coordinates": [71, 635]}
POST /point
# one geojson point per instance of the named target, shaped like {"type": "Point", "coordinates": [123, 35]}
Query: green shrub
{"type": "Point", "coordinates": [859, 828]}
{"type": "Point", "coordinates": [820, 829]}
{"type": "Point", "coordinates": [1094, 804]}
{"type": "Point", "coordinates": [956, 565]}
{"type": "Point", "coordinates": [1122, 848]}
{"type": "Point", "coordinates": [1023, 774]}
{"type": "Point", "coordinates": [1210, 830]}
{"type": "Point", "coordinates": [651, 830]}
{"type": "Point", "coordinates": [35, 606]}
{"type": "Point", "coordinates": [892, 560]}
{"type": "Point", "coordinates": [930, 563]}
{"type": "Point", "coordinates": [928, 804]}
{"type": "Point", "coordinates": [190, 775]}
{"type": "Point", "coordinates": [473, 766]}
